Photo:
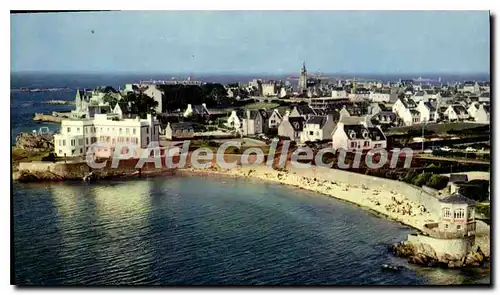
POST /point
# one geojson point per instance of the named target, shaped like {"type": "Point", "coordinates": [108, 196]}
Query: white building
{"type": "Point", "coordinates": [406, 109]}
{"type": "Point", "coordinates": [383, 95]}
{"type": "Point", "coordinates": [456, 112]}
{"type": "Point", "coordinates": [339, 93]}
{"type": "Point", "coordinates": [76, 136]}
{"type": "Point", "coordinates": [275, 119]}
{"type": "Point", "coordinates": [158, 96]}
{"type": "Point", "coordinates": [427, 112]}
{"type": "Point", "coordinates": [234, 121]}
{"type": "Point", "coordinates": [480, 112]}
{"type": "Point", "coordinates": [318, 128]}
{"type": "Point", "coordinates": [357, 137]}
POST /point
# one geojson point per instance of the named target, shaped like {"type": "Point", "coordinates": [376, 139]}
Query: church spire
{"type": "Point", "coordinates": [304, 67]}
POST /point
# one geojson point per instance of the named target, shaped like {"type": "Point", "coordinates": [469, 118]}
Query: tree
{"type": "Point", "coordinates": [138, 103]}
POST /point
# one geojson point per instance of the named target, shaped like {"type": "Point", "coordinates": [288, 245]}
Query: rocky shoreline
{"type": "Point", "coordinates": [420, 255]}
{"type": "Point", "coordinates": [38, 117]}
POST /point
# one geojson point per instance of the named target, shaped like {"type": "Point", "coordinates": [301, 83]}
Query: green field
{"type": "Point", "coordinates": [436, 128]}
{"type": "Point", "coordinates": [261, 105]}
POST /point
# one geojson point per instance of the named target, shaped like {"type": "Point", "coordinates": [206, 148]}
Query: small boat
{"type": "Point", "coordinates": [390, 267]}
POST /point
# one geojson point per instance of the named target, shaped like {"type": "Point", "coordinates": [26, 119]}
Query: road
{"type": "Point", "coordinates": [461, 160]}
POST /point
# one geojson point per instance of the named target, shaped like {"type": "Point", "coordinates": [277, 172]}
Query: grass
{"type": "Point", "coordinates": [20, 155]}
{"type": "Point", "coordinates": [261, 105]}
{"type": "Point", "coordinates": [437, 128]}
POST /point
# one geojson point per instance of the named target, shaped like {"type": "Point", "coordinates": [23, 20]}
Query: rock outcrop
{"type": "Point", "coordinates": [32, 142]}
{"type": "Point", "coordinates": [47, 118]}
{"type": "Point", "coordinates": [422, 254]}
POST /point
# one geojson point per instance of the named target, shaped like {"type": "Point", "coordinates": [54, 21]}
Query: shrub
{"type": "Point", "coordinates": [438, 182]}
{"type": "Point", "coordinates": [422, 179]}
{"type": "Point", "coordinates": [408, 178]}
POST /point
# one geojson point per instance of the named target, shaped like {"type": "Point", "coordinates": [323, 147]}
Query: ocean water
{"type": "Point", "coordinates": [203, 231]}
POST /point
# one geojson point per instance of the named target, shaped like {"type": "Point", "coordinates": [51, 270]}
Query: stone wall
{"type": "Point", "coordinates": [456, 248]}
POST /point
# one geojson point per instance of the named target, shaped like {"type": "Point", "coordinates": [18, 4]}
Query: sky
{"type": "Point", "coordinates": [276, 42]}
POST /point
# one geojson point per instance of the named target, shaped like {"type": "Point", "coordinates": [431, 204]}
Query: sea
{"type": "Point", "coordinates": [196, 230]}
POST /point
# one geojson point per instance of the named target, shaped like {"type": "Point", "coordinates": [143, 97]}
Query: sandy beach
{"type": "Point", "coordinates": [389, 203]}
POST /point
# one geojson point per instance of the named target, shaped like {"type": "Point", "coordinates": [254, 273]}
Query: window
{"type": "Point", "coordinates": [378, 145]}
{"type": "Point", "coordinates": [64, 142]}
{"type": "Point", "coordinates": [72, 142]}
{"type": "Point", "coordinates": [78, 129]}
{"type": "Point", "coordinates": [367, 143]}
{"type": "Point", "coordinates": [80, 141]}
{"type": "Point", "coordinates": [68, 129]}
{"type": "Point", "coordinates": [133, 130]}
{"type": "Point", "coordinates": [469, 213]}
{"type": "Point", "coordinates": [353, 144]}
{"type": "Point", "coordinates": [81, 151]}
{"type": "Point", "coordinates": [446, 226]}
{"type": "Point", "coordinates": [86, 141]}
{"type": "Point", "coordinates": [60, 152]}
{"type": "Point", "coordinates": [147, 140]}
{"type": "Point", "coordinates": [458, 226]}
{"type": "Point", "coordinates": [147, 130]}
{"type": "Point", "coordinates": [459, 213]}
{"type": "Point", "coordinates": [127, 131]}
{"type": "Point", "coordinates": [446, 212]}
{"type": "Point", "coordinates": [311, 132]}
{"type": "Point", "coordinates": [120, 130]}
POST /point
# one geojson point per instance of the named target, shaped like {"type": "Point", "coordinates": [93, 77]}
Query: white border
{"type": "Point", "coordinates": [206, 5]}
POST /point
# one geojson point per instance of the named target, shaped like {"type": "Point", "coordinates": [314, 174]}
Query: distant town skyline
{"type": "Point", "coordinates": [247, 42]}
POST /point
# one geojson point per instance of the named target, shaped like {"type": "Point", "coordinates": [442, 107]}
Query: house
{"type": "Point", "coordinates": [158, 96]}
{"type": "Point", "coordinates": [359, 94]}
{"type": "Point", "coordinates": [383, 95]}
{"type": "Point", "coordinates": [339, 93]}
{"type": "Point", "coordinates": [420, 96]}
{"type": "Point", "coordinates": [427, 111]}
{"type": "Point", "coordinates": [269, 89]}
{"type": "Point", "coordinates": [318, 128]}
{"type": "Point", "coordinates": [406, 109]}
{"type": "Point", "coordinates": [484, 97]}
{"type": "Point", "coordinates": [76, 136]}
{"type": "Point", "coordinates": [200, 110]}
{"type": "Point", "coordinates": [182, 130]}
{"type": "Point", "coordinates": [444, 98]}
{"type": "Point", "coordinates": [456, 112]}
{"type": "Point", "coordinates": [470, 86]}
{"type": "Point", "coordinates": [376, 108]}
{"type": "Point", "coordinates": [357, 137]}
{"type": "Point", "coordinates": [431, 94]}
{"type": "Point", "coordinates": [291, 127]}
{"type": "Point", "coordinates": [384, 118]}
{"type": "Point", "coordinates": [302, 110]}
{"type": "Point", "coordinates": [402, 104]}
{"type": "Point", "coordinates": [484, 86]}
{"type": "Point", "coordinates": [480, 112]}
{"type": "Point", "coordinates": [255, 122]}
{"type": "Point", "coordinates": [275, 119]}
{"type": "Point", "coordinates": [234, 121]}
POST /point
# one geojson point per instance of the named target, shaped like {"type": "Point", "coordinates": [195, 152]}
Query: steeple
{"type": "Point", "coordinates": [303, 70]}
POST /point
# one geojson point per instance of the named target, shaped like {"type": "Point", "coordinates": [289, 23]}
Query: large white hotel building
{"type": "Point", "coordinates": [76, 136]}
